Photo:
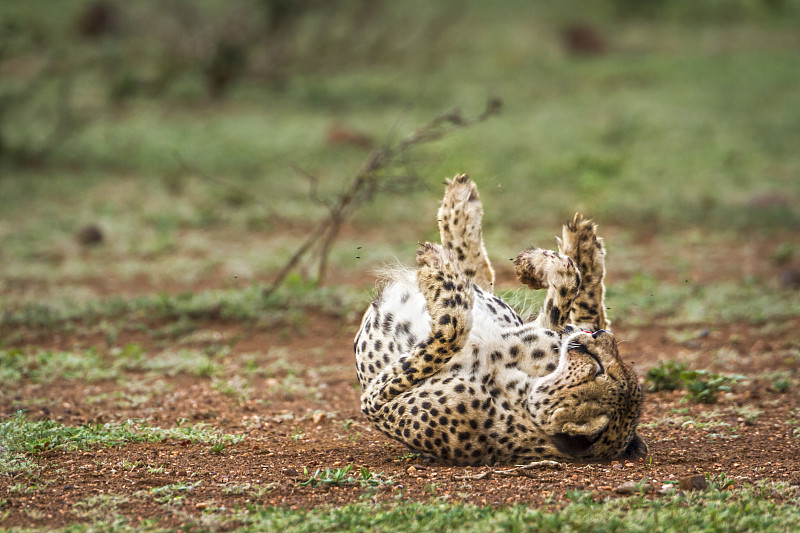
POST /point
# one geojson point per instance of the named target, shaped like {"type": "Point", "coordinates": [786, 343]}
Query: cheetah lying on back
{"type": "Point", "coordinates": [453, 372]}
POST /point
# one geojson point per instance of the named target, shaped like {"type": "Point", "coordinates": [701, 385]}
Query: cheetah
{"type": "Point", "coordinates": [454, 373]}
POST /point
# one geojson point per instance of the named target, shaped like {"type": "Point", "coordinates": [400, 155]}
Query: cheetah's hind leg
{"type": "Point", "coordinates": [546, 269]}
{"type": "Point", "coordinates": [580, 242]}
{"type": "Point", "coordinates": [460, 230]}
{"type": "Point", "coordinates": [449, 296]}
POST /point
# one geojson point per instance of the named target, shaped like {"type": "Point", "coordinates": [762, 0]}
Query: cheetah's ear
{"type": "Point", "coordinates": [575, 439]}
{"type": "Point", "coordinates": [589, 428]}
{"type": "Point", "coordinates": [635, 449]}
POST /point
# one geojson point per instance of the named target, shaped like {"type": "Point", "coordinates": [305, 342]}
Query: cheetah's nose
{"type": "Point", "coordinates": [598, 333]}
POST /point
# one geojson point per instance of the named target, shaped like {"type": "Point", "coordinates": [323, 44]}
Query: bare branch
{"type": "Point", "coordinates": [519, 470]}
{"type": "Point", "coordinates": [369, 181]}
{"type": "Point", "coordinates": [313, 186]}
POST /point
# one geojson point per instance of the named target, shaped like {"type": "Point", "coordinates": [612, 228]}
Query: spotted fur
{"type": "Point", "coordinates": [460, 230]}
{"type": "Point", "coordinates": [453, 372]}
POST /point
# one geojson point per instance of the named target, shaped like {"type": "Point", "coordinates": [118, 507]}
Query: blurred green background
{"type": "Point", "coordinates": [178, 128]}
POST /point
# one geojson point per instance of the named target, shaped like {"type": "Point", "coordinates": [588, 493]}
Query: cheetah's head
{"type": "Point", "coordinates": [590, 405]}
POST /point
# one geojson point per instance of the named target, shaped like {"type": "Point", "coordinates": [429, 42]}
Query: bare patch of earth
{"type": "Point", "coordinates": [291, 392]}
{"type": "Point", "coordinates": [305, 416]}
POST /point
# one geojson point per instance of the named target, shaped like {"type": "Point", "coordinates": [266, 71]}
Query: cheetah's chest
{"type": "Point", "coordinates": [499, 346]}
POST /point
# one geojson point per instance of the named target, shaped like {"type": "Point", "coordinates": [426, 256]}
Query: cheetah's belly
{"type": "Point", "coordinates": [403, 315]}
{"type": "Point", "coordinates": [398, 320]}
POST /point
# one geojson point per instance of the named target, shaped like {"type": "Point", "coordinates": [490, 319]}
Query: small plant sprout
{"type": "Point", "coordinates": [218, 447]}
{"type": "Point", "coordinates": [372, 479]}
{"type": "Point", "coordinates": [298, 434]}
{"type": "Point", "coordinates": [703, 385]}
{"type": "Point", "coordinates": [342, 476]}
{"type": "Point", "coordinates": [749, 413]}
{"type": "Point", "coordinates": [721, 481]}
{"type": "Point", "coordinates": [781, 382]}
{"type": "Point", "coordinates": [666, 376]}
{"type": "Point", "coordinates": [153, 470]}
{"type": "Point", "coordinates": [329, 476]}
{"type": "Point", "coordinates": [174, 493]}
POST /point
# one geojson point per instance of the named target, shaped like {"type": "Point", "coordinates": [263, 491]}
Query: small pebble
{"type": "Point", "coordinates": [625, 488]}
{"type": "Point", "coordinates": [694, 482]}
{"type": "Point", "coordinates": [89, 235]}
{"type": "Point", "coordinates": [666, 488]}
{"type": "Point", "coordinates": [629, 487]}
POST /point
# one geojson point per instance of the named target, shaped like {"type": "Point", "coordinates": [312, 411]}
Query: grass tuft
{"type": "Point", "coordinates": [746, 509]}
{"type": "Point", "coordinates": [342, 476]}
{"type": "Point", "coordinates": [702, 386]}
{"type": "Point", "coordinates": [20, 434]}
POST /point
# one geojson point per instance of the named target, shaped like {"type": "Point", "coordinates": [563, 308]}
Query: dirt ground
{"type": "Point", "coordinates": [747, 435]}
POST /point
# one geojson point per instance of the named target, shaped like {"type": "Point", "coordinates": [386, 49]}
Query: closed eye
{"type": "Point", "coordinates": [577, 347]}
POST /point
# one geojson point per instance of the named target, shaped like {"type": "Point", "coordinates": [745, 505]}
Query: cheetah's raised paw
{"type": "Point", "coordinates": [580, 242]}
{"type": "Point", "coordinates": [541, 269]}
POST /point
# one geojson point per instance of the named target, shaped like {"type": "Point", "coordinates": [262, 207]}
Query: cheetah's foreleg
{"type": "Point", "coordinates": [580, 242]}
{"type": "Point", "coordinates": [541, 269]}
{"type": "Point", "coordinates": [449, 296]}
{"type": "Point", "coordinates": [460, 230]}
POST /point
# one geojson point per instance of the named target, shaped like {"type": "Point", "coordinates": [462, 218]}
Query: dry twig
{"type": "Point", "coordinates": [519, 470]}
{"type": "Point", "coordinates": [375, 176]}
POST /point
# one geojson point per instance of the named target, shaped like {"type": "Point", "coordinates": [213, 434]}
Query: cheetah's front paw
{"type": "Point", "coordinates": [460, 229]}
{"type": "Point", "coordinates": [540, 269]}
{"type": "Point", "coordinates": [580, 242]}
{"type": "Point", "coordinates": [435, 258]}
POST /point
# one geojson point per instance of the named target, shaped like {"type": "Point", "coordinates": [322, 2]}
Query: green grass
{"type": "Point", "coordinates": [101, 508]}
{"type": "Point", "coordinates": [629, 515]}
{"type": "Point", "coordinates": [760, 507]}
{"type": "Point", "coordinates": [764, 507]}
{"type": "Point", "coordinates": [245, 304]}
{"type": "Point", "coordinates": [343, 476]}
{"type": "Point", "coordinates": [46, 365]}
{"type": "Point", "coordinates": [665, 376]}
{"type": "Point", "coordinates": [681, 124]}
{"type": "Point", "coordinates": [174, 493]}
{"type": "Point", "coordinates": [644, 298]}
{"type": "Point", "coordinates": [87, 366]}
{"type": "Point", "coordinates": [22, 439]}
{"type": "Point", "coordinates": [19, 434]}
{"type": "Point", "coordinates": [702, 386]}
